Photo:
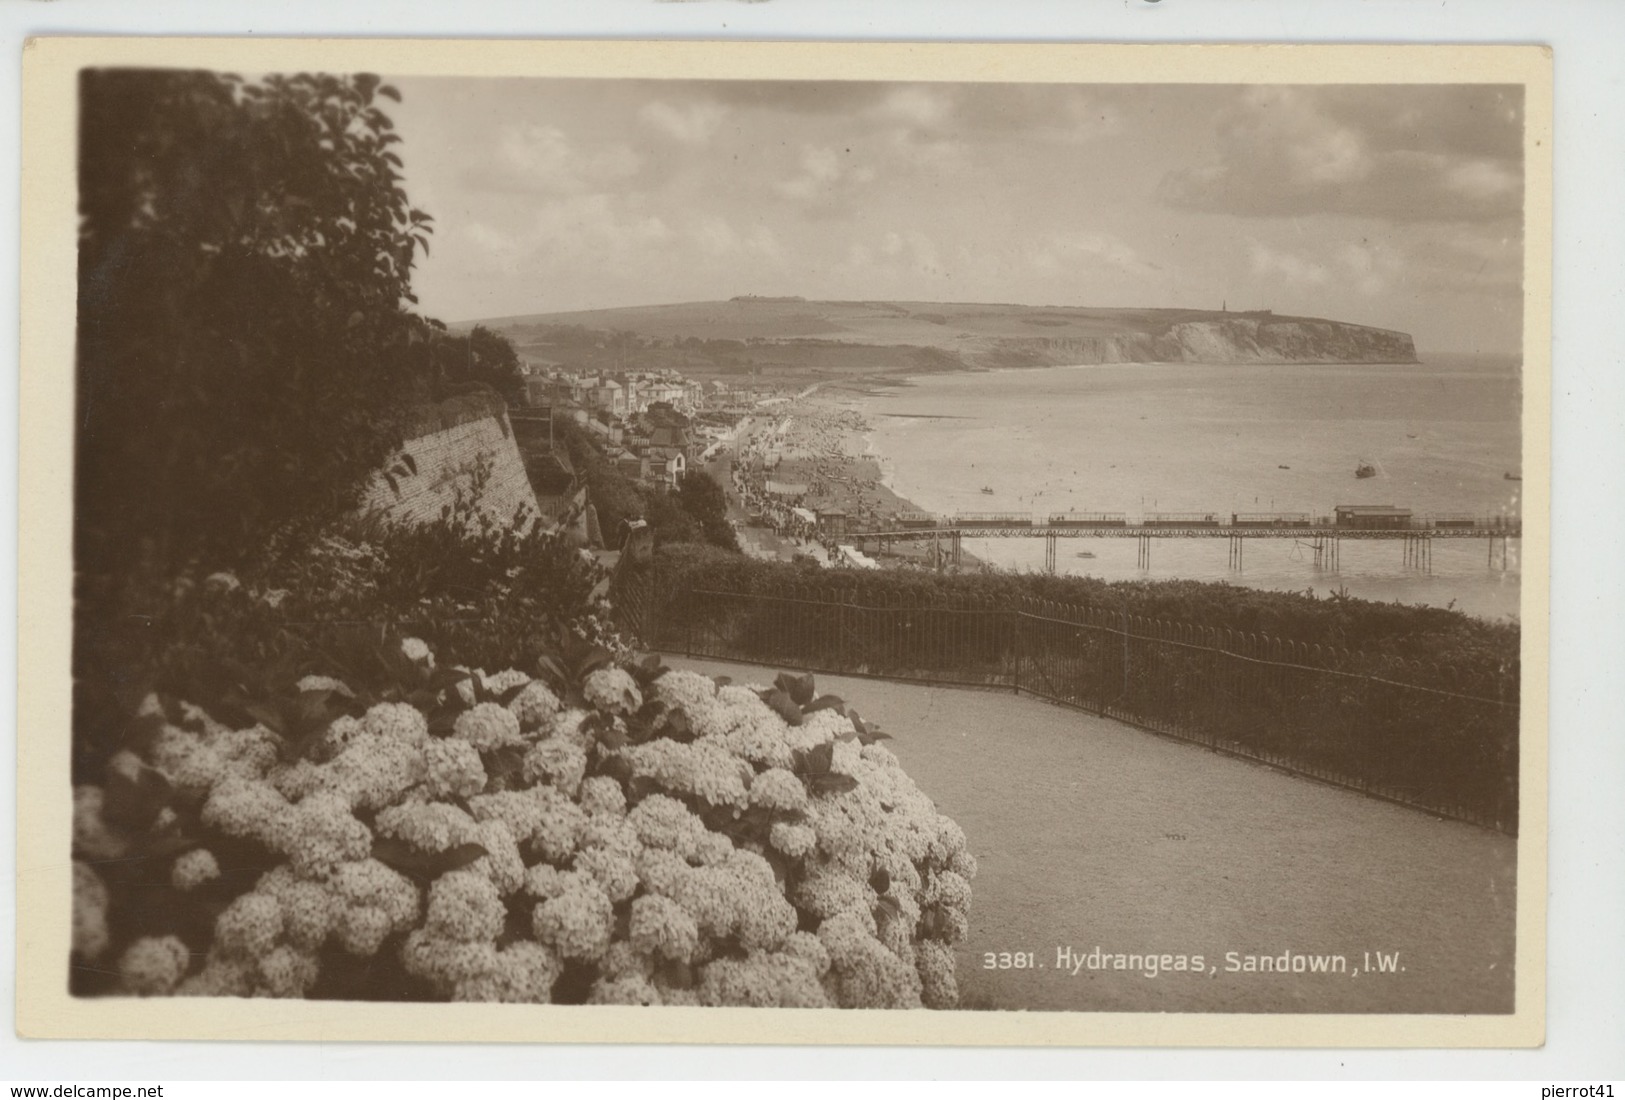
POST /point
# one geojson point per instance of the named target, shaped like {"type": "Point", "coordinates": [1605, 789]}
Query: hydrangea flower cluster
{"type": "Point", "coordinates": [556, 846]}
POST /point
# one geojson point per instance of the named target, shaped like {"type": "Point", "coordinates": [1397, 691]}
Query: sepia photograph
{"type": "Point", "coordinates": [1031, 544]}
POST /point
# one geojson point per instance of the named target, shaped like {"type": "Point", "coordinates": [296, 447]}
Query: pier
{"type": "Point", "coordinates": [1324, 536]}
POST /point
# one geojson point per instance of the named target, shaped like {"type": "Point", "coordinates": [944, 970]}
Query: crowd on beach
{"type": "Point", "coordinates": [807, 449]}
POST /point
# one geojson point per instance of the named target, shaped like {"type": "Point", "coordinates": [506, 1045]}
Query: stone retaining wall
{"type": "Point", "coordinates": [449, 460]}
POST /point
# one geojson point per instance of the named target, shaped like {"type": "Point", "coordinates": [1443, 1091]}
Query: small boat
{"type": "Point", "coordinates": [1086, 553]}
{"type": "Point", "coordinates": [1510, 476]}
{"type": "Point", "coordinates": [1279, 467]}
{"type": "Point", "coordinates": [987, 489]}
{"type": "Point", "coordinates": [1365, 469]}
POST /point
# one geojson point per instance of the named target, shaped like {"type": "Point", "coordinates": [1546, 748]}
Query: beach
{"type": "Point", "coordinates": [815, 453]}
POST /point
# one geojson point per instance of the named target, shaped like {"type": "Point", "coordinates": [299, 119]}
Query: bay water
{"type": "Point", "coordinates": [1141, 438]}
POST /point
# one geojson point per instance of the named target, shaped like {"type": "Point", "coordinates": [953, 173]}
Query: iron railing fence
{"type": "Point", "coordinates": [1423, 735]}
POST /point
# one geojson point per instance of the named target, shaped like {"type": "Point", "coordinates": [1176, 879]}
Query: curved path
{"type": "Point", "coordinates": [1095, 835]}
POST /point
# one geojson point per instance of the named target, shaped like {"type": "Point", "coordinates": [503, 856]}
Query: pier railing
{"type": "Point", "coordinates": [1422, 735]}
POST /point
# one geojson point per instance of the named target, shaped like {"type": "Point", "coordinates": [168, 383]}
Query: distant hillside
{"type": "Point", "coordinates": [814, 338]}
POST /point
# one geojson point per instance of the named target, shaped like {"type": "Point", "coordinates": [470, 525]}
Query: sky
{"type": "Point", "coordinates": [1393, 206]}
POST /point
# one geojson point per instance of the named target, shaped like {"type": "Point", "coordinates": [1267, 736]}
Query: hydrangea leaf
{"type": "Point", "coordinates": [783, 705]}
{"type": "Point", "coordinates": [799, 688]}
{"type": "Point", "coordinates": [887, 908]}
{"type": "Point", "coordinates": [825, 702]}
{"type": "Point", "coordinates": [409, 860]}
{"type": "Point", "coordinates": [831, 783]}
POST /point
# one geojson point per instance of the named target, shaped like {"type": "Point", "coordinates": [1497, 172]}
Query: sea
{"type": "Point", "coordinates": [1139, 438]}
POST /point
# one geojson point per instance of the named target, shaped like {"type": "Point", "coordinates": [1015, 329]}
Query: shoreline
{"type": "Point", "coordinates": [821, 440]}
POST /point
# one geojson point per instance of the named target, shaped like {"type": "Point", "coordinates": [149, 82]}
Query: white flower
{"type": "Point", "coordinates": [613, 690]}
{"type": "Point", "coordinates": [805, 945]}
{"type": "Point", "coordinates": [603, 795]}
{"type": "Point", "coordinates": [455, 769]}
{"type": "Point", "coordinates": [427, 826]}
{"type": "Point", "coordinates": [614, 871]}
{"type": "Point", "coordinates": [577, 923]}
{"type": "Point", "coordinates": [90, 936]}
{"type": "Point", "coordinates": [505, 681]}
{"type": "Point", "coordinates": [339, 735]}
{"type": "Point", "coordinates": [194, 869]}
{"type": "Point", "coordinates": [778, 789]}
{"type": "Point", "coordinates": [523, 973]}
{"type": "Point", "coordinates": [363, 930]}
{"type": "Point", "coordinates": [222, 582]}
{"type": "Point", "coordinates": [285, 972]}
{"type": "Point", "coordinates": [864, 973]}
{"type": "Point", "coordinates": [310, 910]}
{"type": "Point", "coordinates": [763, 980]}
{"type": "Point", "coordinates": [794, 841]}
{"type": "Point", "coordinates": [662, 822]}
{"type": "Point", "coordinates": [948, 889]}
{"type": "Point", "coordinates": [541, 817]}
{"type": "Point", "coordinates": [245, 808]}
{"type": "Point", "coordinates": [535, 706]}
{"type": "Point", "coordinates": [464, 906]}
{"type": "Point", "coordinates": [627, 989]}
{"type": "Point", "coordinates": [934, 961]}
{"type": "Point", "coordinates": [963, 864]}
{"type": "Point", "coordinates": [418, 651]}
{"type": "Point", "coordinates": [376, 769]}
{"type": "Point", "coordinates": [445, 963]}
{"type": "Point", "coordinates": [250, 926]}
{"type": "Point", "coordinates": [662, 927]}
{"type": "Point", "coordinates": [559, 764]}
{"type": "Point", "coordinates": [154, 966]}
{"type": "Point", "coordinates": [221, 976]}
{"type": "Point", "coordinates": [825, 892]}
{"type": "Point", "coordinates": [93, 838]}
{"type": "Point", "coordinates": [703, 770]}
{"type": "Point", "coordinates": [502, 863]}
{"type": "Point", "coordinates": [397, 721]}
{"type": "Point", "coordinates": [487, 726]}
{"type": "Point", "coordinates": [371, 884]}
{"type": "Point", "coordinates": [324, 683]}
{"type": "Point", "coordinates": [322, 833]}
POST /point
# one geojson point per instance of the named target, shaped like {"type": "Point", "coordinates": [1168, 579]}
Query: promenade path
{"type": "Point", "coordinates": [1092, 834]}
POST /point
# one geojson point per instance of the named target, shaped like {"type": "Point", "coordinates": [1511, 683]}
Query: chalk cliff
{"type": "Point", "coordinates": [1238, 339]}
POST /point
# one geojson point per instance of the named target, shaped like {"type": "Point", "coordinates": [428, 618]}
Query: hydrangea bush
{"type": "Point", "coordinates": [588, 834]}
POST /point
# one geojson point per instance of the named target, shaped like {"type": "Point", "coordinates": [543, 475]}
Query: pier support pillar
{"type": "Point", "coordinates": [957, 557]}
{"type": "Point", "coordinates": [1049, 553]}
{"type": "Point", "coordinates": [1145, 551]}
{"type": "Point", "coordinates": [1236, 544]}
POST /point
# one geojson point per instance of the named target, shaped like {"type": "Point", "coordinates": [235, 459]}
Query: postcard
{"type": "Point", "coordinates": [784, 543]}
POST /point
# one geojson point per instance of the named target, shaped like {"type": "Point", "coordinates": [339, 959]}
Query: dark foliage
{"type": "Point", "coordinates": [482, 358]}
{"type": "Point", "coordinates": [1407, 631]}
{"type": "Point", "coordinates": [695, 514]}
{"type": "Point", "coordinates": [701, 497]}
{"type": "Point", "coordinates": [245, 255]}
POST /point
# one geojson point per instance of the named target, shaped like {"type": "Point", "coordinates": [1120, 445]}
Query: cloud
{"type": "Point", "coordinates": [1453, 258]}
{"type": "Point", "coordinates": [691, 124]}
{"type": "Point", "coordinates": [1267, 261]}
{"type": "Point", "coordinates": [1413, 154]}
{"type": "Point", "coordinates": [534, 159]}
{"type": "Point", "coordinates": [828, 181]}
{"type": "Point", "coordinates": [717, 238]}
{"type": "Point", "coordinates": [897, 261]}
{"type": "Point", "coordinates": [585, 228]}
{"type": "Point", "coordinates": [1069, 252]}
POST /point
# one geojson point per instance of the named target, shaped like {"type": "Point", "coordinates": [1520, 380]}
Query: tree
{"type": "Point", "coordinates": [702, 498]}
{"type": "Point", "coordinates": [244, 341]}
